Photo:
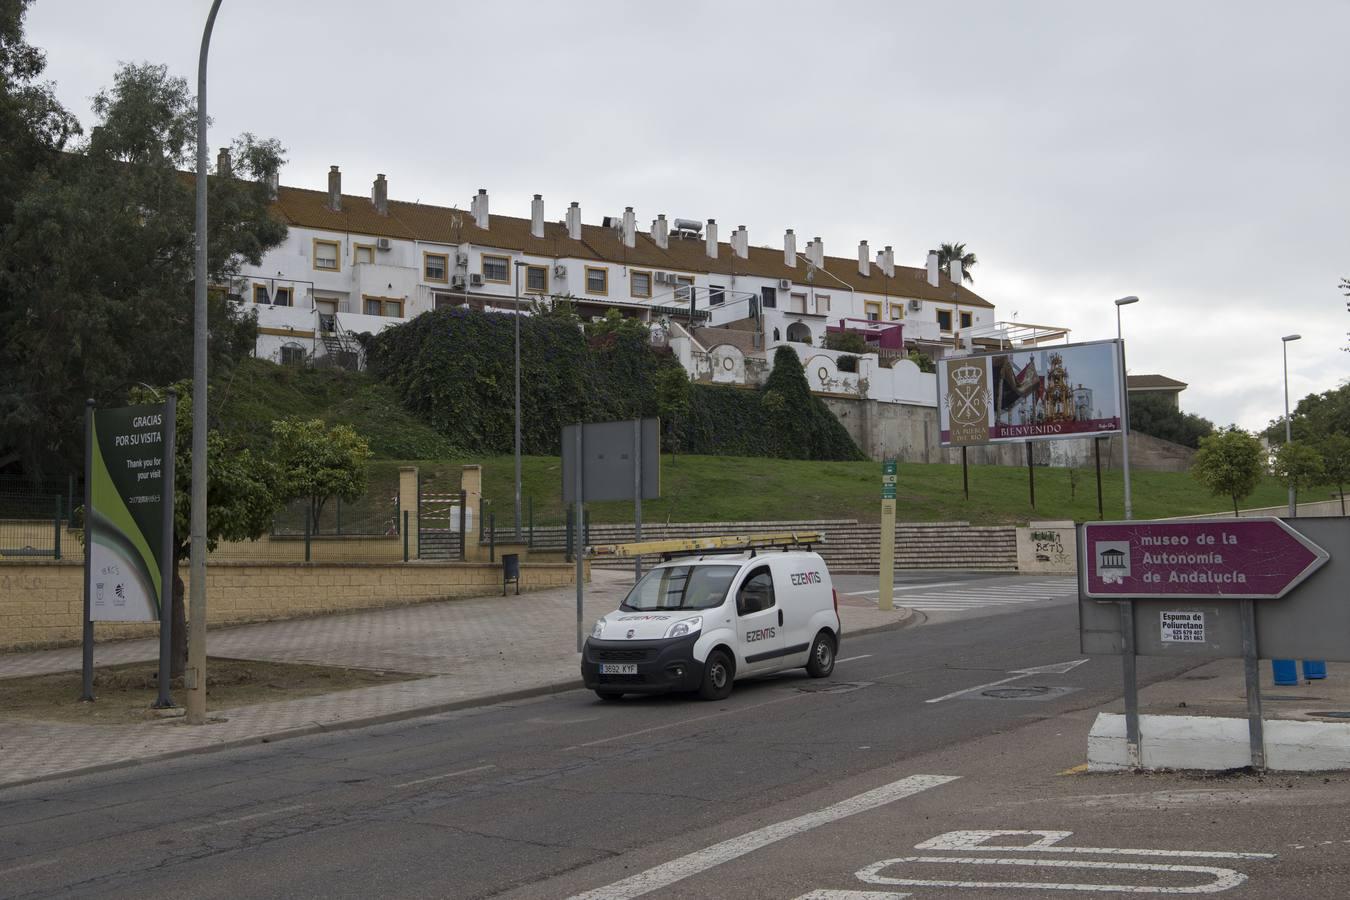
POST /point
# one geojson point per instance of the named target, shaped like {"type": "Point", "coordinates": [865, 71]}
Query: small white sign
{"type": "Point", "coordinates": [1183, 627]}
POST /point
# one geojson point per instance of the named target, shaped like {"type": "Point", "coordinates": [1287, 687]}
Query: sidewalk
{"type": "Point", "coordinates": [473, 652]}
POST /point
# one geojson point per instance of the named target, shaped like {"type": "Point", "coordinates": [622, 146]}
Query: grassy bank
{"type": "Point", "coordinates": [724, 489]}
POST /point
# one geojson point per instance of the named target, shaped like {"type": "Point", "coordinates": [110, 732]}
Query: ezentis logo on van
{"type": "Point", "coordinates": [702, 620]}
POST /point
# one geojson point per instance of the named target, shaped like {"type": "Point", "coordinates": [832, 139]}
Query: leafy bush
{"type": "Point", "coordinates": [846, 342]}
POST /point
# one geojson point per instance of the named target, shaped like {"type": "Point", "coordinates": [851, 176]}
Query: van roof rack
{"type": "Point", "coordinates": [729, 544]}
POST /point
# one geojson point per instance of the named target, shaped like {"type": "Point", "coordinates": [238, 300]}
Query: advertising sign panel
{"type": "Point", "coordinates": [131, 480]}
{"type": "Point", "coordinates": [1043, 393]}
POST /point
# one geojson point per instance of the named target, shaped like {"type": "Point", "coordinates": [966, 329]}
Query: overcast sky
{"type": "Point", "coordinates": [1193, 154]}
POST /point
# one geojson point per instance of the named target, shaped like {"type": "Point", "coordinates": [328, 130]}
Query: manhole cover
{"type": "Point", "coordinates": [832, 687]}
{"type": "Point", "coordinates": [1016, 693]}
{"type": "Point", "coordinates": [1025, 692]}
{"type": "Point", "coordinates": [1336, 714]}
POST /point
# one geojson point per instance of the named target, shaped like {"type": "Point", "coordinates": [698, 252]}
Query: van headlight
{"type": "Point", "coordinates": [599, 628]}
{"type": "Point", "coordinates": [685, 627]}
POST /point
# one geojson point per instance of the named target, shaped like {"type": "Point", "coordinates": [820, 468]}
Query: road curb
{"type": "Point", "coordinates": [554, 687]}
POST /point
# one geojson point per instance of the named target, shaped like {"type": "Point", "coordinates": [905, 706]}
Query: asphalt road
{"type": "Point", "coordinates": [564, 795]}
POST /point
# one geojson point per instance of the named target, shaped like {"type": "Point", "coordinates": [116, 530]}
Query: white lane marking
{"type": "Point", "coordinates": [725, 712]}
{"type": "Point", "coordinates": [1048, 842]}
{"type": "Point", "coordinates": [676, 870]}
{"type": "Point", "coordinates": [853, 895]}
{"type": "Point", "coordinates": [851, 658]}
{"type": "Point", "coordinates": [1224, 879]}
{"type": "Point", "coordinates": [910, 587]}
{"type": "Point", "coordinates": [446, 775]}
{"type": "Point", "coordinates": [1052, 669]}
{"type": "Point", "coordinates": [32, 865]}
{"type": "Point", "coordinates": [259, 815]}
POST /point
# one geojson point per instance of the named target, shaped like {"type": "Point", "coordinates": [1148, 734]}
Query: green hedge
{"type": "Point", "coordinates": [454, 368]}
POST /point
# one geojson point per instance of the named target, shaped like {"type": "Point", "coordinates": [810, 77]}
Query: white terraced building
{"type": "Point", "coordinates": [354, 264]}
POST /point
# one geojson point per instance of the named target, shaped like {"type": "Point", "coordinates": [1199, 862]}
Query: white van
{"type": "Point", "coordinates": [699, 622]}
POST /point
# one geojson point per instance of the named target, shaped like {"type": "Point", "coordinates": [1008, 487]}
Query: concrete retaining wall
{"type": "Point", "coordinates": [1216, 743]}
{"type": "Point", "coordinates": [41, 602]}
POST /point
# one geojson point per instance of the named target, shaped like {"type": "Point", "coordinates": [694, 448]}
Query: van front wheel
{"type": "Point", "coordinates": [717, 677]}
{"type": "Point", "coordinates": [821, 663]}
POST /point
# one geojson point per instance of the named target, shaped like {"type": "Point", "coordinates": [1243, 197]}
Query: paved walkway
{"type": "Point", "coordinates": [472, 652]}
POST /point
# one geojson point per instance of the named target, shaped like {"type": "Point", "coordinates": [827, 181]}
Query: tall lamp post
{"type": "Point", "coordinates": [1288, 431]}
{"type": "Point", "coordinates": [516, 318]}
{"type": "Point", "coordinates": [1125, 406]}
{"type": "Point", "coordinates": [195, 675]}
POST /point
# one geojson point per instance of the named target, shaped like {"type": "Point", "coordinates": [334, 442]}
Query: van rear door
{"type": "Point", "coordinates": [759, 625]}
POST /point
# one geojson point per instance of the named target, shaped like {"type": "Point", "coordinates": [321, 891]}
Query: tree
{"type": "Point", "coordinates": [1315, 417]}
{"type": "Point", "coordinates": [847, 342]}
{"type": "Point", "coordinates": [96, 270]}
{"type": "Point", "coordinates": [1156, 415]}
{"type": "Point", "coordinates": [1229, 464]}
{"type": "Point", "coordinates": [242, 497]}
{"type": "Point", "coordinates": [1298, 465]}
{"type": "Point", "coordinates": [318, 463]}
{"type": "Point", "coordinates": [1335, 450]}
{"type": "Point", "coordinates": [672, 402]}
{"type": "Point", "coordinates": [949, 252]}
{"type": "Point", "coordinates": [34, 127]}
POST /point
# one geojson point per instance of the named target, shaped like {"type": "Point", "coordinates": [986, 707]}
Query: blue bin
{"type": "Point", "coordinates": [1285, 670]}
{"type": "Point", "coordinates": [1314, 669]}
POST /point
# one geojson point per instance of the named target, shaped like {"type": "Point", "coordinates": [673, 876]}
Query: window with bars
{"type": "Point", "coordinates": [597, 280]}
{"type": "Point", "coordinates": [497, 269]}
{"type": "Point", "coordinates": [536, 279]}
{"type": "Point", "coordinates": [435, 266]}
{"type": "Point", "coordinates": [769, 295]}
{"type": "Point", "coordinates": [260, 294]}
{"type": "Point", "coordinates": [641, 284]}
{"type": "Point", "coordinates": [283, 296]}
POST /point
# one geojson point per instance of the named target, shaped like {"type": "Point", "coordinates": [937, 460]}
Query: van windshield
{"type": "Point", "coordinates": [681, 587]}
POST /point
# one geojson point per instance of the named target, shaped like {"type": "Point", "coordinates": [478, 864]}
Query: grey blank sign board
{"type": "Point", "coordinates": [607, 448]}
{"type": "Point", "coordinates": [1311, 622]}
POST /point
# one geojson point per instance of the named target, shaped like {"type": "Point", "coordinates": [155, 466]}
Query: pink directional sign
{"type": "Point", "coordinates": [1252, 559]}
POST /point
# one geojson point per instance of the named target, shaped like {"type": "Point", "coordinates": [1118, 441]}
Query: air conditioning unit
{"type": "Point", "coordinates": [383, 244]}
{"type": "Point", "coordinates": [785, 284]}
{"type": "Point", "coordinates": [560, 271]}
{"type": "Point", "coordinates": [461, 258]}
{"type": "Point", "coordinates": [475, 280]}
{"type": "Point", "coordinates": [664, 278]}
{"type": "Point", "coordinates": [915, 305]}
{"type": "Point", "coordinates": [457, 281]}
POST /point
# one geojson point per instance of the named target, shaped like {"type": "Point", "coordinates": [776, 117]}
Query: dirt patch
{"type": "Point", "coordinates": [124, 693]}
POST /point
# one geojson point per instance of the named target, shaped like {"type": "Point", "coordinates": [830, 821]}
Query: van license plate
{"type": "Point", "coordinates": [618, 668]}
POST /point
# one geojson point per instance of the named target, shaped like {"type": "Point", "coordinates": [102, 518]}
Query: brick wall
{"type": "Point", "coordinates": [41, 601]}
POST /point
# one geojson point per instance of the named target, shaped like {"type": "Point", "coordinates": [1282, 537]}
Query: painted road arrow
{"type": "Point", "coordinates": [1017, 674]}
{"type": "Point", "coordinates": [1240, 559]}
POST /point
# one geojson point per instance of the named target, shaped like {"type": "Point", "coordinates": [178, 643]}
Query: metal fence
{"type": "Point", "coordinates": [34, 525]}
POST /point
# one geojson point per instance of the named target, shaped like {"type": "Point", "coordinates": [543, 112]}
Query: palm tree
{"type": "Point", "coordinates": [949, 252]}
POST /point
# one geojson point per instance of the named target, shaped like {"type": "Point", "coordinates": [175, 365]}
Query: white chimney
{"type": "Point", "coordinates": [864, 260]}
{"type": "Point", "coordinates": [629, 227]}
{"type": "Point", "coordinates": [790, 249]}
{"type": "Point", "coordinates": [537, 216]}
{"type": "Point", "coordinates": [956, 271]}
{"type": "Point", "coordinates": [886, 259]}
{"type": "Point", "coordinates": [480, 209]}
{"type": "Point", "coordinates": [334, 189]}
{"type": "Point", "coordinates": [379, 195]}
{"type": "Point", "coordinates": [817, 252]}
{"type": "Point", "coordinates": [712, 239]}
{"type": "Point", "coordinates": [661, 231]}
{"type": "Point", "coordinates": [740, 242]}
{"type": "Point", "coordinates": [933, 268]}
{"type": "Point", "coordinates": [574, 221]}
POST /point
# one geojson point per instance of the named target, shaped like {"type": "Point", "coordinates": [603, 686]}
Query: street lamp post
{"type": "Point", "coordinates": [1288, 431]}
{"type": "Point", "coordinates": [1125, 406]}
{"type": "Point", "coordinates": [195, 674]}
{"type": "Point", "coordinates": [516, 318]}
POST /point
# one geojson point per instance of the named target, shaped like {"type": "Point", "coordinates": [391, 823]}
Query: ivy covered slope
{"type": "Point", "coordinates": [455, 369]}
{"type": "Point", "coordinates": [246, 400]}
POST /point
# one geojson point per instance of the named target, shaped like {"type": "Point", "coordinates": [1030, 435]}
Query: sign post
{"type": "Point", "coordinates": [128, 520]}
{"type": "Point", "coordinates": [1233, 561]}
{"type": "Point", "coordinates": [886, 596]}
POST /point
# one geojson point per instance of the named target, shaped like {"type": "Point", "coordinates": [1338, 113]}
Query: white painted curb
{"type": "Point", "coordinates": [1217, 743]}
